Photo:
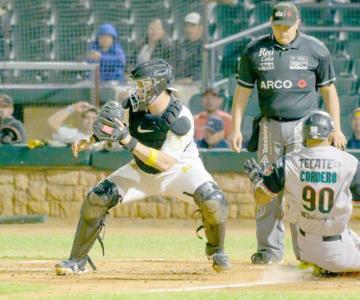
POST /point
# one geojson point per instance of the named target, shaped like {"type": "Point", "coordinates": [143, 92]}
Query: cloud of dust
{"type": "Point", "coordinates": [283, 274]}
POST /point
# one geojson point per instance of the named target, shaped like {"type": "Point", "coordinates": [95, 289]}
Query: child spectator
{"type": "Point", "coordinates": [107, 51]}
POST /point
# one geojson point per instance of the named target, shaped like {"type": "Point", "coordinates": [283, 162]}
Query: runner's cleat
{"type": "Point", "coordinates": [319, 272]}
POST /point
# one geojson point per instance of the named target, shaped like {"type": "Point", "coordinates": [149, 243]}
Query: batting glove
{"type": "Point", "coordinates": [253, 171]}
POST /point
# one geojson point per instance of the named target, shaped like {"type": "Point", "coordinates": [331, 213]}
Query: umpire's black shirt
{"type": "Point", "coordinates": [287, 77]}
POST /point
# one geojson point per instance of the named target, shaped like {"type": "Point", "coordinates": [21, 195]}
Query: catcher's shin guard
{"type": "Point", "coordinates": [92, 217]}
{"type": "Point", "coordinates": [213, 206]}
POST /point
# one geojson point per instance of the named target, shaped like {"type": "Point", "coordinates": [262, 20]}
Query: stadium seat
{"type": "Point", "coordinates": [346, 126]}
{"type": "Point", "coordinates": [231, 19]}
{"type": "Point", "coordinates": [356, 67]}
{"type": "Point", "coordinates": [342, 66]}
{"type": "Point", "coordinates": [31, 41]}
{"type": "Point", "coordinates": [231, 57]}
{"type": "Point", "coordinates": [262, 12]}
{"type": "Point", "coordinates": [72, 49]}
{"type": "Point", "coordinates": [345, 85]}
{"type": "Point", "coordinates": [110, 15]}
{"type": "Point", "coordinates": [332, 45]}
{"type": "Point", "coordinates": [324, 36]}
{"type": "Point", "coordinates": [349, 16]}
{"type": "Point", "coordinates": [24, 4]}
{"type": "Point", "coordinates": [353, 48]}
{"type": "Point", "coordinates": [312, 15]}
{"type": "Point", "coordinates": [348, 103]}
{"type": "Point", "coordinates": [68, 5]}
{"type": "Point", "coordinates": [31, 14]}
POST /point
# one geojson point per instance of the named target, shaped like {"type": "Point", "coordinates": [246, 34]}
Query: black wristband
{"type": "Point", "coordinates": [131, 145]}
{"type": "Point", "coordinates": [95, 138]}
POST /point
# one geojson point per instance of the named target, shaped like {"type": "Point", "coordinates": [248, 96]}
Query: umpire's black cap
{"type": "Point", "coordinates": [284, 13]}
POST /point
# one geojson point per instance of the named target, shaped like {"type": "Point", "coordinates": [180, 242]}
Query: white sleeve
{"type": "Point", "coordinates": [68, 135]}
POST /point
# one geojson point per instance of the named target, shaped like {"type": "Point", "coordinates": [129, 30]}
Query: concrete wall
{"type": "Point", "coordinates": [60, 192]}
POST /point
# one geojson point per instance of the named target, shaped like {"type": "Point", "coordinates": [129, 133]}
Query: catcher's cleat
{"type": "Point", "coordinates": [221, 262]}
{"type": "Point", "coordinates": [71, 266]}
{"type": "Point", "coordinates": [262, 258]}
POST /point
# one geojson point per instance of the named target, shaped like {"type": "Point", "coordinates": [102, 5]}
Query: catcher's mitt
{"type": "Point", "coordinates": [108, 125]}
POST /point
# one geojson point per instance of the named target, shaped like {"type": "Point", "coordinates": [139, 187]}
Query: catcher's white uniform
{"type": "Point", "coordinates": [320, 184]}
{"type": "Point", "coordinates": [179, 181]}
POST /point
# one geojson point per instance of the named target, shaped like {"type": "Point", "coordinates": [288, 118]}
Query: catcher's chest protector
{"type": "Point", "coordinates": [152, 130]}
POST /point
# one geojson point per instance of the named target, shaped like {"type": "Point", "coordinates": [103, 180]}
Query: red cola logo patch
{"type": "Point", "coordinates": [302, 83]}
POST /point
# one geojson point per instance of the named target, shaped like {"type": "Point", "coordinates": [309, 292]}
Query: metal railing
{"type": "Point", "coordinates": [92, 82]}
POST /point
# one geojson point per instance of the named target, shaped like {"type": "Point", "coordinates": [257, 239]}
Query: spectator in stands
{"type": "Point", "coordinates": [156, 44]}
{"type": "Point", "coordinates": [188, 66]}
{"type": "Point", "coordinates": [107, 51]}
{"type": "Point", "coordinates": [11, 130]}
{"type": "Point", "coordinates": [212, 103]}
{"type": "Point", "coordinates": [354, 142]}
{"type": "Point", "coordinates": [67, 135]}
{"type": "Point", "coordinates": [214, 134]}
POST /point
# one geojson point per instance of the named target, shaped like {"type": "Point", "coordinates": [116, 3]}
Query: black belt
{"type": "Point", "coordinates": [281, 119]}
{"type": "Point", "coordinates": [330, 238]}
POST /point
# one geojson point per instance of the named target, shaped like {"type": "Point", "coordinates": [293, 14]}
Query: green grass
{"type": "Point", "coordinates": [17, 244]}
{"type": "Point", "coordinates": [215, 295]}
{"type": "Point", "coordinates": [9, 288]}
{"type": "Point", "coordinates": [126, 246]}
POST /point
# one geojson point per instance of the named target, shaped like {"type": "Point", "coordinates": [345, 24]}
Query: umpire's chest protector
{"type": "Point", "coordinates": [151, 130]}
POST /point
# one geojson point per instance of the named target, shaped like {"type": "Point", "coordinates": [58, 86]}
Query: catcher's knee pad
{"type": "Point", "coordinates": [99, 200]}
{"type": "Point", "coordinates": [212, 203]}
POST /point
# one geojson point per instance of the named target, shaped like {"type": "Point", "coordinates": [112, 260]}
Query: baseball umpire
{"type": "Point", "coordinates": [166, 161]}
{"type": "Point", "coordinates": [320, 183]}
{"type": "Point", "coordinates": [288, 68]}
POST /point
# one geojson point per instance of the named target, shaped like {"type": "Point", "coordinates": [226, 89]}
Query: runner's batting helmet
{"type": "Point", "coordinates": [318, 125]}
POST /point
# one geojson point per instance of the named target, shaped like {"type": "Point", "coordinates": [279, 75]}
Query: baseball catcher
{"type": "Point", "coordinates": [320, 182]}
{"type": "Point", "coordinates": [166, 161]}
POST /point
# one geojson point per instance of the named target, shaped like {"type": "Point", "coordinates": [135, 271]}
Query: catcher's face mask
{"type": "Point", "coordinates": [142, 92]}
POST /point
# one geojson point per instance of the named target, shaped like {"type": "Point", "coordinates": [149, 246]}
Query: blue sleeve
{"type": "Point", "coordinates": [114, 58]}
{"type": "Point", "coordinates": [275, 181]}
{"type": "Point", "coordinates": [355, 184]}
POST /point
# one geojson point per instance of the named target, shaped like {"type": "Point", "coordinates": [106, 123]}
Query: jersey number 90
{"type": "Point", "coordinates": [324, 198]}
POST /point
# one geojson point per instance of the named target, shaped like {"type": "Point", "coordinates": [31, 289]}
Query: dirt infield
{"type": "Point", "coordinates": [163, 276]}
{"type": "Point", "coordinates": [151, 275]}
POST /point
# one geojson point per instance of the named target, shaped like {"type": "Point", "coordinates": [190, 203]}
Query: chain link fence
{"type": "Point", "coordinates": [177, 30]}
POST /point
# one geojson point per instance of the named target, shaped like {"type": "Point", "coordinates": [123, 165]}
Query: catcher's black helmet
{"type": "Point", "coordinates": [318, 125]}
{"type": "Point", "coordinates": [151, 78]}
